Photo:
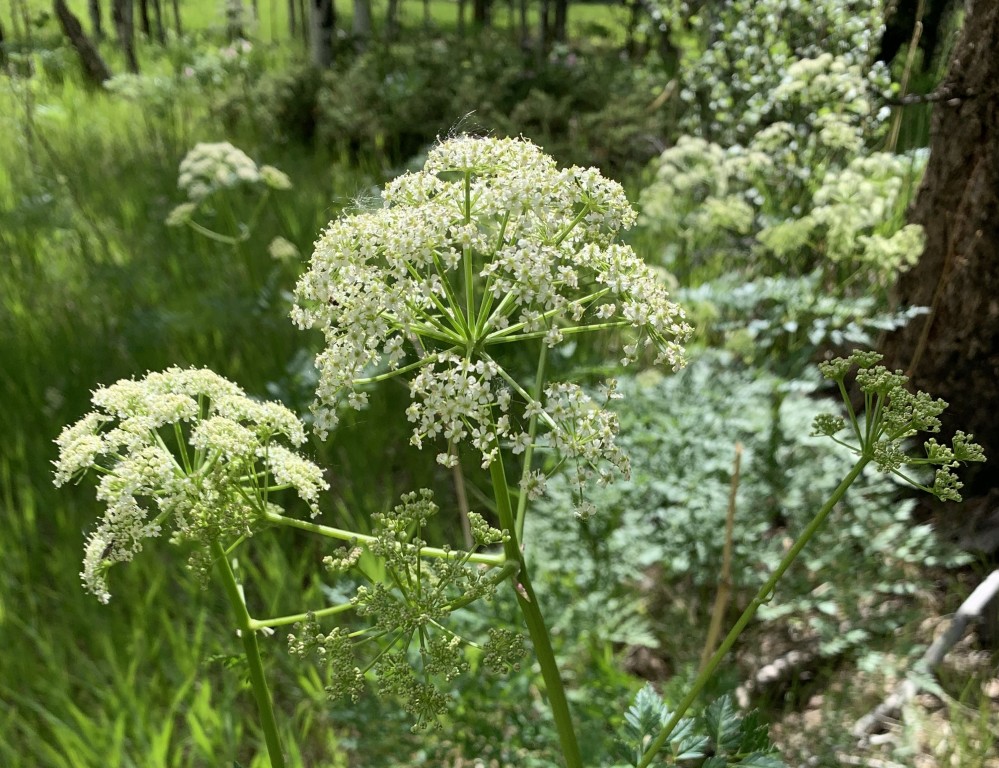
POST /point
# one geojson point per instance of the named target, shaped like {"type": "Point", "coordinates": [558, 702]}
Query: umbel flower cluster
{"type": "Point", "coordinates": [185, 447]}
{"type": "Point", "coordinates": [893, 416]}
{"type": "Point", "coordinates": [489, 244]}
{"type": "Point", "coordinates": [208, 168]}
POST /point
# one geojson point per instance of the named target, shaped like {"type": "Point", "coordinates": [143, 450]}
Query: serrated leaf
{"type": "Point", "coordinates": [722, 721]}
{"type": "Point", "coordinates": [755, 734]}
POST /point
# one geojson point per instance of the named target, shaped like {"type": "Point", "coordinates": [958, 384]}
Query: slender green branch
{"type": "Point", "coordinates": [248, 635]}
{"type": "Point", "coordinates": [763, 596]}
{"type": "Point", "coordinates": [535, 622]}
{"type": "Point", "coordinates": [283, 621]}
{"type": "Point", "coordinates": [398, 371]}
{"type": "Point", "coordinates": [569, 330]}
{"type": "Point", "coordinates": [360, 538]}
{"type": "Point", "coordinates": [211, 234]}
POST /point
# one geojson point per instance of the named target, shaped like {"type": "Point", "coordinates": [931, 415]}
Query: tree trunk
{"type": "Point", "coordinates": [392, 20]}
{"type": "Point", "coordinates": [158, 18]}
{"type": "Point", "coordinates": [176, 18]}
{"type": "Point", "coordinates": [544, 29]}
{"type": "Point", "coordinates": [292, 24]}
{"type": "Point", "coordinates": [322, 23]}
{"type": "Point", "coordinates": [480, 13]}
{"type": "Point", "coordinates": [3, 48]}
{"type": "Point", "coordinates": [953, 352]}
{"type": "Point", "coordinates": [144, 24]}
{"type": "Point", "coordinates": [121, 14]}
{"type": "Point", "coordinates": [361, 28]}
{"type": "Point", "coordinates": [561, 20]}
{"type": "Point", "coordinates": [94, 68]}
{"type": "Point", "coordinates": [96, 22]}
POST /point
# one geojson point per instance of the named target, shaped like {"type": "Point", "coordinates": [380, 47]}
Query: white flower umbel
{"type": "Point", "coordinates": [490, 244]}
{"type": "Point", "coordinates": [209, 167]}
{"type": "Point", "coordinates": [181, 446]}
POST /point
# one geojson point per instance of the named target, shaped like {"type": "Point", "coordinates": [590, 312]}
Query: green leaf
{"type": "Point", "coordinates": [723, 724]}
{"type": "Point", "coordinates": [761, 760]}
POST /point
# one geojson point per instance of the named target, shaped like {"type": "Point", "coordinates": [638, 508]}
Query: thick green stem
{"type": "Point", "coordinates": [249, 637]}
{"type": "Point", "coordinates": [535, 621]}
{"type": "Point", "coordinates": [763, 596]}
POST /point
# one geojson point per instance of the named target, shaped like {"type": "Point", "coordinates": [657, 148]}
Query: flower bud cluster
{"type": "Point", "coordinates": [408, 610]}
{"type": "Point", "coordinates": [893, 415]}
{"type": "Point", "coordinates": [184, 445]}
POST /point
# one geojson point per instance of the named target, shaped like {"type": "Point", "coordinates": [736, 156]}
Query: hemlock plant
{"type": "Point", "coordinates": [490, 245]}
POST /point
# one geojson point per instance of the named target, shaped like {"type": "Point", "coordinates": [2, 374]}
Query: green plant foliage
{"type": "Point", "coordinates": [784, 322]}
{"type": "Point", "coordinates": [720, 736]}
{"type": "Point", "coordinates": [665, 519]}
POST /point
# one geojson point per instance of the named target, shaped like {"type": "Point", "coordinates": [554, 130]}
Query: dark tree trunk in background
{"type": "Point", "coordinates": [144, 24]}
{"type": "Point", "coordinates": [322, 24]}
{"type": "Point", "coordinates": [361, 26]}
{"type": "Point", "coordinates": [96, 20]}
{"type": "Point", "coordinates": [121, 14]}
{"type": "Point", "coordinates": [953, 352]}
{"type": "Point", "coordinates": [176, 18]}
{"type": "Point", "coordinates": [94, 68]}
{"type": "Point", "coordinates": [392, 20]}
{"type": "Point", "coordinates": [3, 48]}
{"type": "Point", "coordinates": [292, 23]}
{"type": "Point", "coordinates": [561, 20]}
{"type": "Point", "coordinates": [158, 19]}
{"type": "Point", "coordinates": [544, 29]}
{"type": "Point", "coordinates": [901, 18]}
{"type": "Point", "coordinates": [480, 12]}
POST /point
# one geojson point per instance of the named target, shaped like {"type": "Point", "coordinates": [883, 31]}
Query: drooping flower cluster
{"type": "Point", "coordinates": [185, 446]}
{"type": "Point", "coordinates": [490, 244]}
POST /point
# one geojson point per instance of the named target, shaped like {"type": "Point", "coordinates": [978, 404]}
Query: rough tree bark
{"type": "Point", "coordinates": [953, 352]}
{"type": "Point", "coordinates": [94, 68]}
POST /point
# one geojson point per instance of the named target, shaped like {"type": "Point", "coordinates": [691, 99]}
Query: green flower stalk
{"type": "Point", "coordinates": [490, 244]}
